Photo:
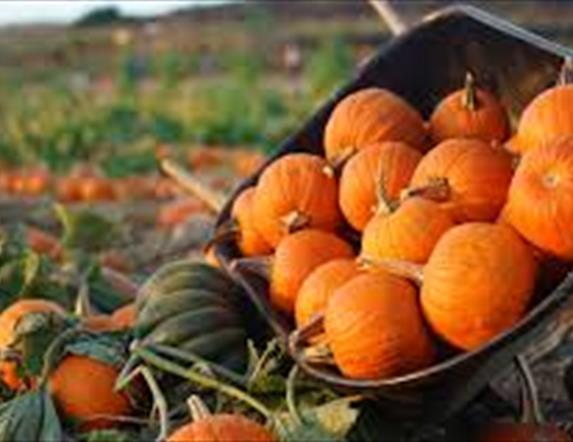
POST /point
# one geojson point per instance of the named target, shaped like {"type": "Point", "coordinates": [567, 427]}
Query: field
{"type": "Point", "coordinates": [119, 144]}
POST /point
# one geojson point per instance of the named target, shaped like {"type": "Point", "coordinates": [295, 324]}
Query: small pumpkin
{"type": "Point", "coordinates": [96, 189]}
{"type": "Point", "coordinates": [547, 117]}
{"type": "Point", "coordinates": [207, 427]}
{"type": "Point", "coordinates": [177, 212]}
{"type": "Point", "coordinates": [124, 317]}
{"type": "Point", "coordinates": [372, 180]}
{"type": "Point", "coordinates": [37, 182]}
{"type": "Point", "coordinates": [44, 243]}
{"type": "Point", "coordinates": [410, 233]}
{"type": "Point", "coordinates": [194, 307]}
{"type": "Point", "coordinates": [540, 199]}
{"type": "Point", "coordinates": [249, 240]}
{"type": "Point", "coordinates": [477, 283]}
{"type": "Point", "coordinates": [370, 116]}
{"type": "Point", "coordinates": [374, 327]}
{"type": "Point", "coordinates": [470, 112]}
{"type": "Point", "coordinates": [68, 189]}
{"type": "Point", "coordinates": [469, 178]}
{"type": "Point", "coordinates": [83, 388]}
{"type": "Point", "coordinates": [319, 286]}
{"type": "Point", "coordinates": [296, 257]}
{"type": "Point", "coordinates": [116, 260]}
{"type": "Point", "coordinates": [297, 190]}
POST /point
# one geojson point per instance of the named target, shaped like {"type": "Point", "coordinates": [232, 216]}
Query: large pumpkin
{"type": "Point", "coordinates": [298, 190]}
{"type": "Point", "coordinates": [469, 113]}
{"type": "Point", "coordinates": [193, 307]}
{"type": "Point", "coordinates": [249, 240]}
{"type": "Point", "coordinates": [469, 177]}
{"type": "Point", "coordinates": [296, 257]}
{"type": "Point", "coordinates": [548, 116]}
{"type": "Point", "coordinates": [372, 180]}
{"type": "Point", "coordinates": [410, 233]}
{"type": "Point", "coordinates": [370, 116]}
{"type": "Point", "coordinates": [375, 328]}
{"type": "Point", "coordinates": [540, 199]}
{"type": "Point", "coordinates": [319, 286]}
{"type": "Point", "coordinates": [477, 283]}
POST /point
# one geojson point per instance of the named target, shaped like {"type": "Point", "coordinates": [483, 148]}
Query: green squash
{"type": "Point", "coordinates": [194, 307]}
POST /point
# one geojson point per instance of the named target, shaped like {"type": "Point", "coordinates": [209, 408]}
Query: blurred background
{"type": "Point", "coordinates": [114, 83]}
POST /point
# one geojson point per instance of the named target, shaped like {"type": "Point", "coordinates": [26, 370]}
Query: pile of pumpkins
{"type": "Point", "coordinates": [410, 236]}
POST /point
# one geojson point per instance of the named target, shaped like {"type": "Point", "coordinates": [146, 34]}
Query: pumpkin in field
{"type": "Point", "coordinates": [124, 317]}
{"type": "Point", "coordinates": [296, 191]}
{"type": "Point", "coordinates": [116, 260]}
{"type": "Point", "coordinates": [9, 318]}
{"type": "Point", "coordinates": [44, 243]}
{"type": "Point", "coordinates": [296, 257]}
{"type": "Point", "coordinates": [249, 240]}
{"type": "Point", "coordinates": [134, 188]}
{"type": "Point", "coordinates": [374, 327]}
{"type": "Point", "coordinates": [410, 233]}
{"type": "Point", "coordinates": [540, 199]}
{"type": "Point", "coordinates": [37, 182]}
{"type": "Point", "coordinates": [469, 113]}
{"type": "Point", "coordinates": [372, 180]}
{"type": "Point", "coordinates": [207, 427]}
{"type": "Point", "coordinates": [196, 308]}
{"type": "Point", "coordinates": [547, 117]}
{"type": "Point", "coordinates": [83, 388]}
{"type": "Point", "coordinates": [370, 116]}
{"type": "Point", "coordinates": [319, 286]}
{"type": "Point", "coordinates": [469, 178]}
{"type": "Point", "coordinates": [477, 283]}
{"type": "Point", "coordinates": [522, 432]}
{"type": "Point", "coordinates": [96, 189]}
{"type": "Point", "coordinates": [68, 189]}
{"type": "Point", "coordinates": [177, 212]}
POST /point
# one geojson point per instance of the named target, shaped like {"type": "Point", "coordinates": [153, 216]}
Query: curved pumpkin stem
{"type": "Point", "coordinates": [438, 189]}
{"type": "Point", "coordinates": [197, 408]}
{"type": "Point", "coordinates": [566, 74]}
{"type": "Point", "coordinates": [340, 160]}
{"type": "Point", "coordinates": [83, 307]}
{"type": "Point", "coordinates": [531, 409]}
{"type": "Point", "coordinates": [469, 98]}
{"type": "Point", "coordinates": [385, 205]}
{"type": "Point", "coordinates": [294, 221]}
{"type": "Point", "coordinates": [405, 269]}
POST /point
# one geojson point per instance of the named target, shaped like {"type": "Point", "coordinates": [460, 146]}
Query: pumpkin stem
{"type": "Point", "coordinates": [83, 307]}
{"type": "Point", "coordinates": [224, 232]}
{"type": "Point", "coordinates": [259, 265]}
{"type": "Point", "coordinates": [294, 221]}
{"type": "Point", "coordinates": [197, 408]}
{"type": "Point", "coordinates": [469, 98]}
{"type": "Point", "coordinates": [319, 353]}
{"type": "Point", "coordinates": [338, 162]}
{"type": "Point", "coordinates": [212, 199]}
{"type": "Point", "coordinates": [566, 74]}
{"type": "Point", "coordinates": [437, 189]}
{"type": "Point", "coordinates": [405, 269]}
{"type": "Point", "coordinates": [385, 204]}
{"type": "Point", "coordinates": [531, 409]}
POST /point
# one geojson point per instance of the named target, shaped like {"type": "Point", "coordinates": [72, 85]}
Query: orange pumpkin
{"type": "Point", "coordinates": [410, 233]}
{"type": "Point", "coordinates": [134, 188]}
{"type": "Point", "coordinates": [522, 432]}
{"type": "Point", "coordinates": [547, 117]}
{"type": "Point", "coordinates": [116, 260]}
{"type": "Point", "coordinates": [370, 116]}
{"type": "Point", "coordinates": [469, 113]}
{"type": "Point", "coordinates": [124, 317]}
{"type": "Point", "coordinates": [373, 179]}
{"type": "Point", "coordinates": [36, 182]}
{"type": "Point", "coordinates": [477, 283]}
{"type": "Point", "coordinates": [250, 241]}
{"type": "Point", "coordinates": [540, 199]}
{"type": "Point", "coordinates": [9, 318]}
{"type": "Point", "coordinates": [68, 189]}
{"type": "Point", "coordinates": [297, 190]}
{"type": "Point", "coordinates": [44, 243]}
{"type": "Point", "coordinates": [319, 286]}
{"type": "Point", "coordinates": [374, 328]}
{"type": "Point", "coordinates": [296, 257]}
{"type": "Point", "coordinates": [99, 323]}
{"type": "Point", "coordinates": [177, 212]}
{"type": "Point", "coordinates": [96, 189]}
{"type": "Point", "coordinates": [86, 401]}
{"type": "Point", "coordinates": [469, 177]}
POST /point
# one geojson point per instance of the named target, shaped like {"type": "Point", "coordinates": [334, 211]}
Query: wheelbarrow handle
{"type": "Point", "coordinates": [388, 14]}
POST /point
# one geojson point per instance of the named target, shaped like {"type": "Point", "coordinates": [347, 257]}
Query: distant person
{"type": "Point", "coordinates": [292, 64]}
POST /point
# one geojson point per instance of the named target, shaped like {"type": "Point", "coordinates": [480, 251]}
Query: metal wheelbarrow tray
{"type": "Point", "coordinates": [423, 65]}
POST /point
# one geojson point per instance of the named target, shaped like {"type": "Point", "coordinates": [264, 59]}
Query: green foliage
{"type": "Point", "coordinates": [330, 65]}
{"type": "Point", "coordinates": [100, 16]}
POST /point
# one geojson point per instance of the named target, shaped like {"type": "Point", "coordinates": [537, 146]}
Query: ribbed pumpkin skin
{"type": "Point", "coordinates": [222, 428]}
{"type": "Point", "coordinates": [369, 116]}
{"type": "Point", "coordinates": [375, 329]}
{"type": "Point", "coordinates": [540, 199]}
{"type": "Point", "coordinates": [296, 182]}
{"type": "Point", "coordinates": [361, 176]}
{"type": "Point", "coordinates": [296, 257]}
{"type": "Point", "coordinates": [547, 117]}
{"type": "Point", "coordinates": [521, 432]}
{"type": "Point", "coordinates": [453, 119]}
{"type": "Point", "coordinates": [193, 307]}
{"type": "Point", "coordinates": [83, 388]}
{"type": "Point", "coordinates": [477, 283]}
{"type": "Point", "coordinates": [478, 176]}
{"type": "Point", "coordinates": [250, 241]}
{"type": "Point", "coordinates": [319, 286]}
{"type": "Point", "coordinates": [8, 320]}
{"type": "Point", "coordinates": [124, 317]}
{"type": "Point", "coordinates": [409, 234]}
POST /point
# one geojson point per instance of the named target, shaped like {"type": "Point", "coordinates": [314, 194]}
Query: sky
{"type": "Point", "coordinates": [66, 11]}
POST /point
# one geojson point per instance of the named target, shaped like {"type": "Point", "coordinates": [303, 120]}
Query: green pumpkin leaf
{"type": "Point", "coordinates": [107, 436]}
{"type": "Point", "coordinates": [110, 348]}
